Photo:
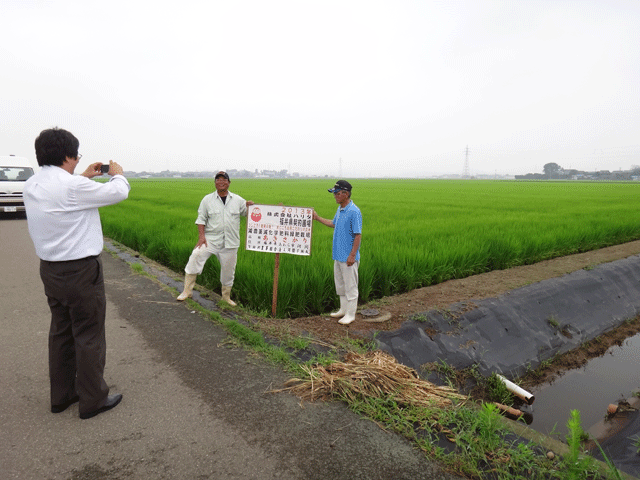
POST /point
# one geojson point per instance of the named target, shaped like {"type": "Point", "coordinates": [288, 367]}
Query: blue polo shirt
{"type": "Point", "coordinates": [348, 223]}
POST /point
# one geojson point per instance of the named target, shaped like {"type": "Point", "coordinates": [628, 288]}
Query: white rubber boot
{"type": "Point", "coordinates": [343, 308]}
{"type": "Point", "coordinates": [226, 296]}
{"type": "Point", "coordinates": [189, 283]}
{"type": "Point", "coordinates": [350, 316]}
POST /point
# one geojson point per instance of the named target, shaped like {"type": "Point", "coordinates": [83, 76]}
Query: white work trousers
{"type": "Point", "coordinates": [346, 279]}
{"type": "Point", "coordinates": [226, 256]}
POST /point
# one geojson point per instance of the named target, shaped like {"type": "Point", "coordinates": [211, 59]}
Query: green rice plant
{"type": "Point", "coordinates": [426, 232]}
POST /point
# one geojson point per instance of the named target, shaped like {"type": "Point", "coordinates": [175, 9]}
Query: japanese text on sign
{"type": "Point", "coordinates": [279, 229]}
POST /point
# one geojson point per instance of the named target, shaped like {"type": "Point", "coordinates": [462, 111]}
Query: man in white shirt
{"type": "Point", "coordinates": [218, 234]}
{"type": "Point", "coordinates": [64, 224]}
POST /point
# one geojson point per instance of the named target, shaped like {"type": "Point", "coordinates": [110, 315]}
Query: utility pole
{"type": "Point", "coordinates": [465, 173]}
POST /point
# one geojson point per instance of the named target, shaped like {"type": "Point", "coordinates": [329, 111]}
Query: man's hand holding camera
{"type": "Point", "coordinates": [98, 168]}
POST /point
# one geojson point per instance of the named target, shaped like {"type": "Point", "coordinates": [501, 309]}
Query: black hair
{"type": "Point", "coordinates": [54, 145]}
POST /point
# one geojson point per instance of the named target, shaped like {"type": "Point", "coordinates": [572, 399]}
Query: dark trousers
{"type": "Point", "coordinates": [77, 346]}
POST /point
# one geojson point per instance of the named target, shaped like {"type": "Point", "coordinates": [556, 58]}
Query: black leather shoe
{"type": "Point", "coordinates": [63, 406]}
{"type": "Point", "coordinates": [112, 401]}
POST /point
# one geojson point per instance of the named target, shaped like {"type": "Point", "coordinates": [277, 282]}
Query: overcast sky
{"type": "Point", "coordinates": [346, 88]}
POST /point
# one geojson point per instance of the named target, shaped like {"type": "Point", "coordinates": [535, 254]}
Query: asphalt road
{"type": "Point", "coordinates": [193, 406]}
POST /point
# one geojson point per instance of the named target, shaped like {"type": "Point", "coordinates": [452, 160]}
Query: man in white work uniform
{"type": "Point", "coordinates": [218, 225]}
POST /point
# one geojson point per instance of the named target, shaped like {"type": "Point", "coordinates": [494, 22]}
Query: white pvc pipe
{"type": "Point", "coordinates": [516, 390]}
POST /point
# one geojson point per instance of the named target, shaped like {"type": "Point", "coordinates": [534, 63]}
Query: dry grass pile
{"type": "Point", "coordinates": [373, 374]}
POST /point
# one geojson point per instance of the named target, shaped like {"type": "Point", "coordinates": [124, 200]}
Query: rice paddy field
{"type": "Point", "coordinates": [415, 232]}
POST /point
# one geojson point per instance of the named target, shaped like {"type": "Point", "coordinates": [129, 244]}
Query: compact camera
{"type": "Point", "coordinates": [104, 168]}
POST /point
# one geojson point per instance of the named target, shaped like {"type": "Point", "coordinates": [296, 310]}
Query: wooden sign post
{"type": "Point", "coordinates": [276, 271]}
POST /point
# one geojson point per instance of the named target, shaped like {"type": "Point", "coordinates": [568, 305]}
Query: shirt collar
{"type": "Point", "coordinates": [55, 169]}
{"type": "Point", "coordinates": [345, 208]}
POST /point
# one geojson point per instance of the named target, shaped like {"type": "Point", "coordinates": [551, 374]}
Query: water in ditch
{"type": "Point", "coordinates": [609, 379]}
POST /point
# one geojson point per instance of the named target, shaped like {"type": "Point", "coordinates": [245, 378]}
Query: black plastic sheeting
{"type": "Point", "coordinates": [621, 448]}
{"type": "Point", "coordinates": [518, 330]}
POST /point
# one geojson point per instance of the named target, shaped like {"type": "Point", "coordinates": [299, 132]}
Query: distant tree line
{"type": "Point", "coordinates": [553, 171]}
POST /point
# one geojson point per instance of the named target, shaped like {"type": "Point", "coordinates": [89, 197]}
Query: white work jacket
{"type": "Point", "coordinates": [222, 220]}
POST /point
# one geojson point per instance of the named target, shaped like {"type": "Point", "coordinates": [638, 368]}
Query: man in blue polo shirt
{"type": "Point", "coordinates": [347, 225]}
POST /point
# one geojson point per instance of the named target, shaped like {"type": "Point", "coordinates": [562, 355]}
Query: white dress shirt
{"type": "Point", "coordinates": [62, 212]}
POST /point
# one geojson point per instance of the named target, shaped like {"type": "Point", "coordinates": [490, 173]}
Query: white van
{"type": "Point", "coordinates": [14, 171]}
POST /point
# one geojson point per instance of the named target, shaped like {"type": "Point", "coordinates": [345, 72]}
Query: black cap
{"type": "Point", "coordinates": [340, 185]}
{"type": "Point", "coordinates": [222, 174]}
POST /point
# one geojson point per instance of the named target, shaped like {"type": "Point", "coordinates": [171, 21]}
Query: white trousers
{"type": "Point", "coordinates": [226, 256]}
{"type": "Point", "coordinates": [346, 279]}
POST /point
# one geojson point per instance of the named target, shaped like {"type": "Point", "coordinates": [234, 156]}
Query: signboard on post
{"type": "Point", "coordinates": [279, 229]}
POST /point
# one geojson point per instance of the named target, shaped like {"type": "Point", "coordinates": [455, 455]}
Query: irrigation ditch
{"type": "Point", "coordinates": [520, 333]}
{"type": "Point", "coordinates": [528, 328]}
